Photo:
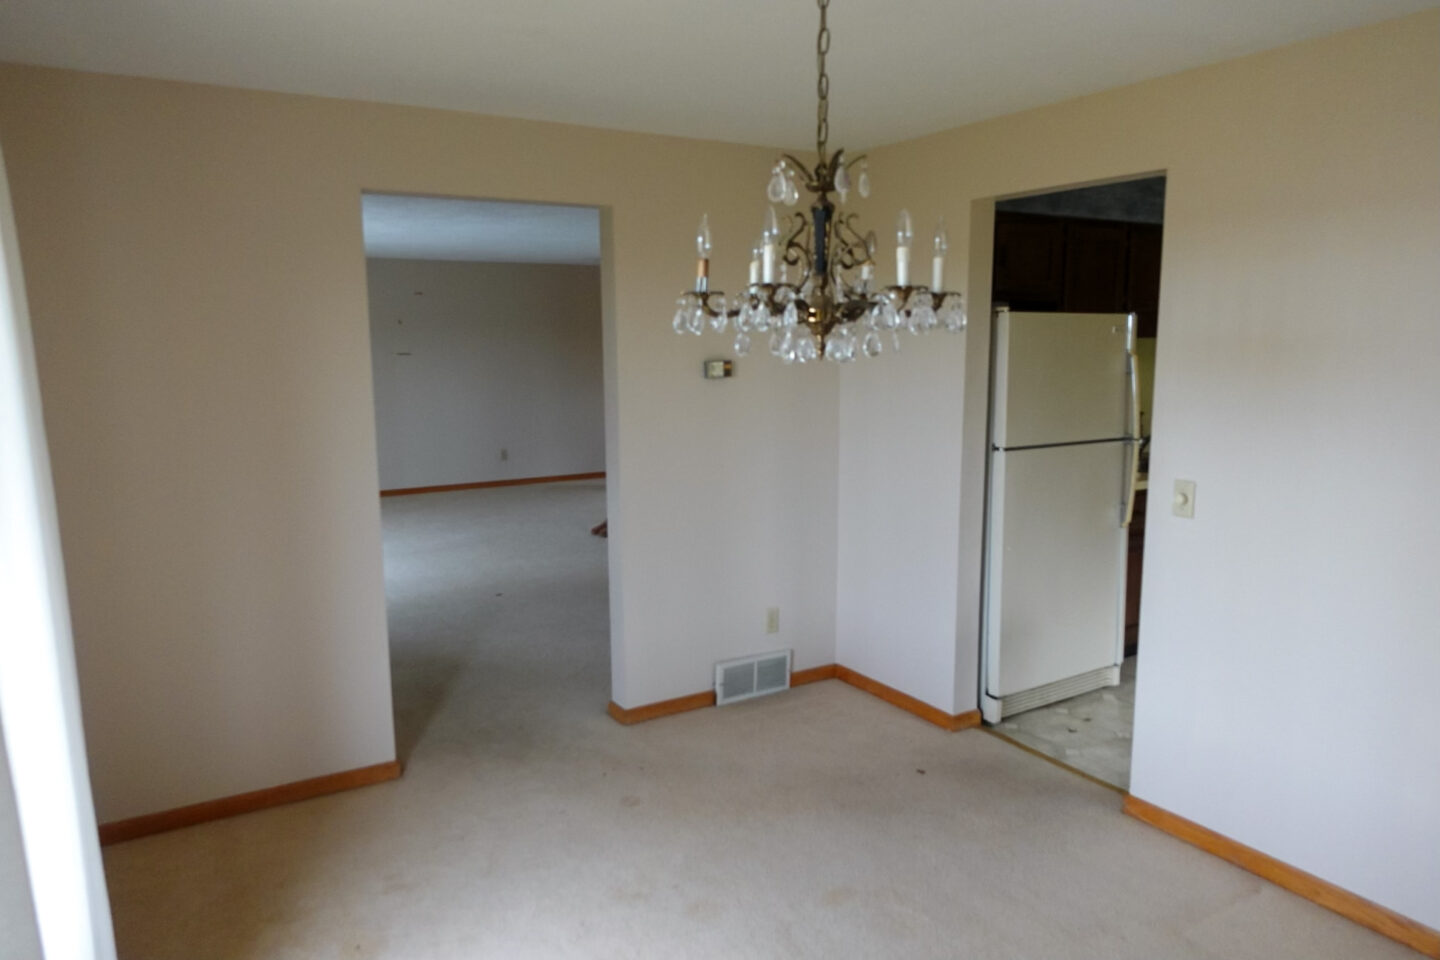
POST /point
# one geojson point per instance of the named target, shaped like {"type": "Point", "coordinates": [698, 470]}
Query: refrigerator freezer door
{"type": "Point", "coordinates": [1055, 589]}
{"type": "Point", "coordinates": [1060, 378]}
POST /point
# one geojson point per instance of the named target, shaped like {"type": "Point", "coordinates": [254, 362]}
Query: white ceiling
{"type": "Point", "coordinates": [435, 228]}
{"type": "Point", "coordinates": [739, 70]}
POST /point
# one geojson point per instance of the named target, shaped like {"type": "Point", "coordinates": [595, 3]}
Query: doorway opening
{"type": "Point", "coordinates": [1076, 287]}
{"type": "Point", "coordinates": [487, 338]}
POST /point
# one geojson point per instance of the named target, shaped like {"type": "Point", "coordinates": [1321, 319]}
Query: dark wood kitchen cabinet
{"type": "Point", "coordinates": [1030, 261]}
{"type": "Point", "coordinates": [1142, 278]}
{"type": "Point", "coordinates": [1045, 263]}
{"type": "Point", "coordinates": [1095, 260]}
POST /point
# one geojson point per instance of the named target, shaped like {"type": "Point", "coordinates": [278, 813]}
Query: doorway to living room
{"type": "Point", "coordinates": [488, 373]}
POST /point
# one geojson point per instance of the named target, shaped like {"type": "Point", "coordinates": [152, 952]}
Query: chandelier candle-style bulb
{"type": "Point", "coordinates": [771, 246]}
{"type": "Point", "coordinates": [702, 252]}
{"type": "Point", "coordinates": [904, 237]}
{"type": "Point", "coordinates": [755, 264]}
{"type": "Point", "coordinates": [937, 267]}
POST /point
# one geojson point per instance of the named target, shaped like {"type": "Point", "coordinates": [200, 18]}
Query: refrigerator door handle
{"type": "Point", "coordinates": [1132, 480]}
{"type": "Point", "coordinates": [1132, 474]}
{"type": "Point", "coordinates": [1132, 375]}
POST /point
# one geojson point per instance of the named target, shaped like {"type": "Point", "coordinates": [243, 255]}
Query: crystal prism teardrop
{"type": "Point", "coordinates": [775, 191]}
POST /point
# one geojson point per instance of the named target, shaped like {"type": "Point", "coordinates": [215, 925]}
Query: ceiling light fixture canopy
{"type": "Point", "coordinates": [811, 278]}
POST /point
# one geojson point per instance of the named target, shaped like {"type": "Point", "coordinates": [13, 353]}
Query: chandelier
{"type": "Point", "coordinates": [812, 279]}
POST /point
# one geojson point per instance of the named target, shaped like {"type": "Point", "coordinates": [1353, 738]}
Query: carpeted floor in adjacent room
{"type": "Point", "coordinates": [818, 823]}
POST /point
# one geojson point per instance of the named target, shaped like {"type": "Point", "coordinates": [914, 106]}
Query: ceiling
{"type": "Point", "coordinates": [431, 228]}
{"type": "Point", "coordinates": [737, 70]}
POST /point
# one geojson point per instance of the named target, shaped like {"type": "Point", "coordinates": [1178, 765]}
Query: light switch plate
{"type": "Point", "coordinates": [1184, 504]}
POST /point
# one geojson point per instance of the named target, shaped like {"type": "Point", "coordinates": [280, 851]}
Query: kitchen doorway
{"type": "Point", "coordinates": [1076, 286]}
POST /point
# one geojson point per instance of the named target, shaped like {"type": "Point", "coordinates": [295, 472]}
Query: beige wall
{"type": "Point", "coordinates": [17, 908]}
{"type": "Point", "coordinates": [470, 359]}
{"type": "Point", "coordinates": [52, 883]}
{"type": "Point", "coordinates": [197, 280]}
{"type": "Point", "coordinates": [1288, 658]}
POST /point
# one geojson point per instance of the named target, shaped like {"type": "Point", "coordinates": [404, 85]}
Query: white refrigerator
{"type": "Point", "coordinates": [1063, 449]}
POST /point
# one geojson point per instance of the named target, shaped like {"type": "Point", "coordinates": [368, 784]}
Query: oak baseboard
{"type": "Point", "coordinates": [484, 484]}
{"type": "Point", "coordinates": [1382, 920]}
{"type": "Point", "coordinates": [829, 671]}
{"type": "Point", "coordinates": [921, 709]}
{"type": "Point", "coordinates": [706, 698]}
{"type": "Point", "coordinates": [814, 675]}
{"type": "Point", "coordinates": [121, 830]}
{"type": "Point", "coordinates": [664, 708]}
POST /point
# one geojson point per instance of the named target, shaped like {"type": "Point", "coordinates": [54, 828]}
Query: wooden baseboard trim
{"type": "Point", "coordinates": [664, 708]}
{"type": "Point", "coordinates": [697, 701]}
{"type": "Point", "coordinates": [830, 671]}
{"type": "Point", "coordinates": [483, 484]}
{"type": "Point", "coordinates": [921, 709]}
{"type": "Point", "coordinates": [1382, 920]}
{"type": "Point", "coordinates": [813, 675]}
{"type": "Point", "coordinates": [121, 830]}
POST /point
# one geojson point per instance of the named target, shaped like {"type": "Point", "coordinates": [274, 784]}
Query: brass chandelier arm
{"type": "Point", "coordinates": [774, 296]}
{"type": "Point", "coordinates": [821, 178]}
{"type": "Point", "coordinates": [851, 250]}
{"type": "Point", "coordinates": [797, 250]}
{"type": "Point", "coordinates": [795, 162]}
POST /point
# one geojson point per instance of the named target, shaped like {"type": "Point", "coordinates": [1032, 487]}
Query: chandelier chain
{"type": "Point", "coordinates": [822, 84]}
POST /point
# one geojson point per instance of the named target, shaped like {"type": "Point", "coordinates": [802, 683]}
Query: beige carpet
{"type": "Point", "coordinates": [817, 823]}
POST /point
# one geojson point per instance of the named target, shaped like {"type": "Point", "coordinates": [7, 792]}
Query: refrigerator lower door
{"type": "Point", "coordinates": [1055, 575]}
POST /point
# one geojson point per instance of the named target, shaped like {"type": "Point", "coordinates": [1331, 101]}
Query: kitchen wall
{"type": "Point", "coordinates": [472, 359]}
{"type": "Point", "coordinates": [1286, 694]}
{"type": "Point", "coordinates": [197, 281]}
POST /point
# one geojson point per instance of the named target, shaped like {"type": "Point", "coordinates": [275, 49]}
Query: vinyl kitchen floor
{"type": "Point", "coordinates": [1091, 732]}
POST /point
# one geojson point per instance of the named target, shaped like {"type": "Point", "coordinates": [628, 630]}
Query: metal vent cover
{"type": "Point", "coordinates": [748, 677]}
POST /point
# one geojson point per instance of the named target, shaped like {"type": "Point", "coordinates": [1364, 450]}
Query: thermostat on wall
{"type": "Point", "coordinates": [719, 369]}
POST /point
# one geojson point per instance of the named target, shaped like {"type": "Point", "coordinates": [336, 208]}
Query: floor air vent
{"type": "Point", "coordinates": [752, 677]}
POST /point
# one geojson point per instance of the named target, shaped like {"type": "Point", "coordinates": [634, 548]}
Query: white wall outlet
{"type": "Point", "coordinates": [1184, 503]}
{"type": "Point", "coordinates": [772, 620]}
